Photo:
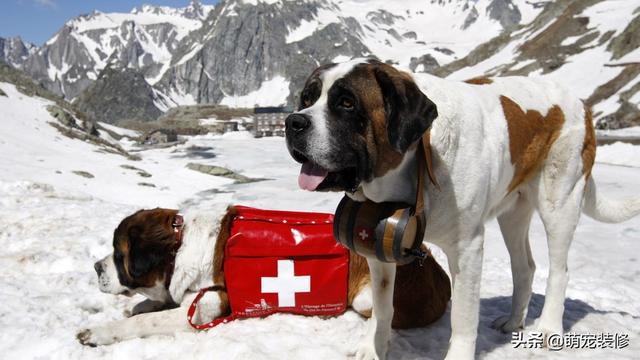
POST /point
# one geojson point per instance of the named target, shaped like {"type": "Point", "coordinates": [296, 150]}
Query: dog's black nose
{"type": "Point", "coordinates": [297, 122]}
{"type": "Point", "coordinates": [98, 267]}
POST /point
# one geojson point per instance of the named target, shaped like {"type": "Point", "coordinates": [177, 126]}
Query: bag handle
{"type": "Point", "coordinates": [212, 323]}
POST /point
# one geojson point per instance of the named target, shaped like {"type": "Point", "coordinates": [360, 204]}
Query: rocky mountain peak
{"type": "Point", "coordinates": [105, 100]}
{"type": "Point", "coordinates": [14, 51]}
{"type": "Point", "coordinates": [195, 10]}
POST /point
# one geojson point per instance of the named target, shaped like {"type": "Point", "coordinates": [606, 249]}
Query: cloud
{"type": "Point", "coordinates": [47, 3]}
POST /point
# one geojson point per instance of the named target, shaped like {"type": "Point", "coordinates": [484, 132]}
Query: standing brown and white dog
{"type": "Point", "coordinates": [501, 148]}
{"type": "Point", "coordinates": [146, 260]}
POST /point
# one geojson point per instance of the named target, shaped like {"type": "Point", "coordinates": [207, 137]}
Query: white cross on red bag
{"type": "Point", "coordinates": [286, 284]}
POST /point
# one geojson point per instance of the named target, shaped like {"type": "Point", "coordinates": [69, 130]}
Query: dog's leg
{"type": "Point", "coordinates": [465, 264]}
{"type": "Point", "coordinates": [143, 325]}
{"type": "Point", "coordinates": [212, 305]}
{"type": "Point", "coordinates": [514, 225]}
{"type": "Point", "coordinates": [560, 215]}
{"type": "Point", "coordinates": [376, 342]}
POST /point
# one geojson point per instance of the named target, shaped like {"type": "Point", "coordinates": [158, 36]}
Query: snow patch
{"type": "Point", "coordinates": [100, 20]}
{"type": "Point", "coordinates": [341, 58]}
{"type": "Point", "coordinates": [272, 92]}
{"type": "Point", "coordinates": [305, 29]}
{"type": "Point", "coordinates": [181, 98]}
{"type": "Point", "coordinates": [255, 2]}
{"type": "Point", "coordinates": [619, 153]}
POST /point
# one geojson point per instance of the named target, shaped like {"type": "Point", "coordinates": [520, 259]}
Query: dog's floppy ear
{"type": "Point", "coordinates": [141, 263]}
{"type": "Point", "coordinates": [149, 243]}
{"type": "Point", "coordinates": [409, 112]}
{"type": "Point", "coordinates": [144, 255]}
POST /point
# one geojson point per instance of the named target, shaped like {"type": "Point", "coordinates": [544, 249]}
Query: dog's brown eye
{"type": "Point", "coordinates": [306, 102]}
{"type": "Point", "coordinates": [346, 103]}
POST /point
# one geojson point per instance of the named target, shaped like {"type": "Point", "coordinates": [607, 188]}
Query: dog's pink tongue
{"type": "Point", "coordinates": [311, 175]}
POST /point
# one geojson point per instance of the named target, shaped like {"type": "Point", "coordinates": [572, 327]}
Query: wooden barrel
{"type": "Point", "coordinates": [387, 231]}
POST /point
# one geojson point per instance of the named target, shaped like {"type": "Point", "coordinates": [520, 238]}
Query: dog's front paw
{"type": "Point", "coordinates": [548, 327]}
{"type": "Point", "coordinates": [461, 349]}
{"type": "Point", "coordinates": [506, 324]}
{"type": "Point", "coordinates": [84, 337]}
{"type": "Point", "coordinates": [370, 350]}
{"type": "Point", "coordinates": [96, 336]}
{"type": "Point", "coordinates": [366, 351]}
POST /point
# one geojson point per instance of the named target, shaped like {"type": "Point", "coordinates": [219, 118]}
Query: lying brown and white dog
{"type": "Point", "coordinates": [145, 261]}
{"type": "Point", "coordinates": [500, 148]}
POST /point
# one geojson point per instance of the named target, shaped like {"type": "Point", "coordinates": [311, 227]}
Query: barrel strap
{"type": "Point", "coordinates": [424, 158]}
{"type": "Point", "coordinates": [426, 146]}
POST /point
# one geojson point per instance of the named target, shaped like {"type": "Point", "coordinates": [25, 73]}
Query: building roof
{"type": "Point", "coordinates": [272, 109]}
{"type": "Point", "coordinates": [162, 131]}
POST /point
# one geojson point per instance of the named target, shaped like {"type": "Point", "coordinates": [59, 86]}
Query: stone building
{"type": "Point", "coordinates": [160, 136]}
{"type": "Point", "coordinates": [269, 121]}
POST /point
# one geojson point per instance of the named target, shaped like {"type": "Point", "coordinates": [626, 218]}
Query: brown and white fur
{"type": "Point", "coordinates": [501, 147]}
{"type": "Point", "coordinates": [143, 244]}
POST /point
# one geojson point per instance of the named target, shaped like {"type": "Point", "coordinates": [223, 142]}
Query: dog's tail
{"type": "Point", "coordinates": [607, 210]}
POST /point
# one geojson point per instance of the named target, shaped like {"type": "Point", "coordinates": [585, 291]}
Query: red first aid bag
{"type": "Point", "coordinates": [282, 261]}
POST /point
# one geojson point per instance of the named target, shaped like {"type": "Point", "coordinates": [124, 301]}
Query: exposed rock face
{"type": "Point", "coordinates": [425, 63]}
{"type": "Point", "coordinates": [119, 95]}
{"type": "Point", "coordinates": [627, 115]}
{"type": "Point", "coordinates": [256, 49]}
{"type": "Point", "coordinates": [221, 171]}
{"type": "Point", "coordinates": [471, 18]}
{"type": "Point", "coordinates": [257, 45]}
{"type": "Point", "coordinates": [383, 17]}
{"type": "Point", "coordinates": [505, 12]}
{"type": "Point", "coordinates": [627, 41]}
{"type": "Point", "coordinates": [14, 51]}
{"type": "Point", "coordinates": [62, 67]}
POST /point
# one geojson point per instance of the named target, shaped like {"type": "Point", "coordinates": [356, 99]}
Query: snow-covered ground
{"type": "Point", "coordinates": [54, 226]}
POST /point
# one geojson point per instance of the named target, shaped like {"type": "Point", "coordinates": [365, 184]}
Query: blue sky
{"type": "Point", "coordinates": [37, 20]}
